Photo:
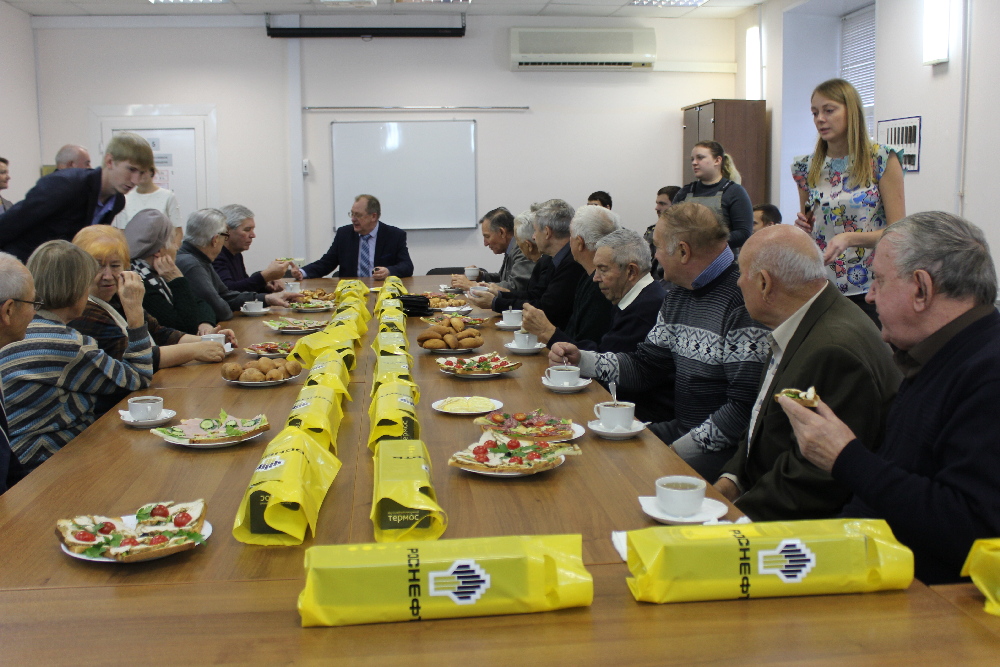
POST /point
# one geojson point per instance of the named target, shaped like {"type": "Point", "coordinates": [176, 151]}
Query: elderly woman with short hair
{"type": "Point", "coordinates": [104, 317]}
{"type": "Point", "coordinates": [204, 238]}
{"type": "Point", "coordinates": [52, 379]}
{"type": "Point", "coordinates": [153, 241]}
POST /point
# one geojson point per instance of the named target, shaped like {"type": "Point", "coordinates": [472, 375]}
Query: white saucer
{"type": "Point", "coordinates": [624, 434]}
{"type": "Point", "coordinates": [710, 509]}
{"type": "Point", "coordinates": [563, 389]}
{"type": "Point", "coordinates": [525, 350]}
{"type": "Point", "coordinates": [256, 313]}
{"type": "Point", "coordinates": [507, 327]}
{"type": "Point", "coordinates": [165, 416]}
{"type": "Point", "coordinates": [228, 347]}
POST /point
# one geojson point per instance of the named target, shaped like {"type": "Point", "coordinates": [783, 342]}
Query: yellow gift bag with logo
{"type": "Point", "coordinates": [766, 559]}
{"type": "Point", "coordinates": [404, 505]}
{"type": "Point", "coordinates": [392, 320]}
{"type": "Point", "coordinates": [352, 286]}
{"type": "Point", "coordinates": [381, 305]}
{"type": "Point", "coordinates": [412, 581]}
{"type": "Point", "coordinates": [308, 348]}
{"type": "Point", "coordinates": [983, 565]}
{"type": "Point", "coordinates": [317, 411]}
{"type": "Point", "coordinates": [392, 414]}
{"type": "Point", "coordinates": [286, 490]}
{"type": "Point", "coordinates": [354, 305]}
{"type": "Point", "coordinates": [391, 343]}
{"type": "Point", "coordinates": [330, 370]}
{"type": "Point", "coordinates": [394, 369]}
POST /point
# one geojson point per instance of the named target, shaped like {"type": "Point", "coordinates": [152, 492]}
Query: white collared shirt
{"type": "Point", "coordinates": [631, 295]}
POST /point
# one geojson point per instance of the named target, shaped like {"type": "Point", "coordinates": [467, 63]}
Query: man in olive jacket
{"type": "Point", "coordinates": [819, 339]}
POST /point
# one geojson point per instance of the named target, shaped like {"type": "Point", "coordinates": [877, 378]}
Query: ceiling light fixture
{"type": "Point", "coordinates": [669, 3]}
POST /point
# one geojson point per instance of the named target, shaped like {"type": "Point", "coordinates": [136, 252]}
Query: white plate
{"type": "Point", "coordinates": [461, 350]}
{"type": "Point", "coordinates": [578, 430]}
{"type": "Point", "coordinates": [323, 309]}
{"type": "Point", "coordinates": [294, 332]}
{"type": "Point", "coordinates": [455, 310]}
{"type": "Point", "coordinates": [210, 445]}
{"type": "Point", "coordinates": [165, 416]}
{"type": "Point", "coordinates": [269, 355]}
{"type": "Point", "coordinates": [562, 389]}
{"type": "Point", "coordinates": [525, 350]}
{"type": "Point", "coordinates": [710, 509]}
{"type": "Point", "coordinates": [448, 289]}
{"type": "Point", "coordinates": [265, 383]}
{"type": "Point", "coordinates": [228, 347]}
{"type": "Point", "coordinates": [129, 521]}
{"type": "Point", "coordinates": [507, 327]}
{"type": "Point", "coordinates": [466, 376]}
{"type": "Point", "coordinates": [256, 313]}
{"type": "Point", "coordinates": [562, 460]}
{"type": "Point", "coordinates": [637, 428]}
{"type": "Point", "coordinates": [436, 405]}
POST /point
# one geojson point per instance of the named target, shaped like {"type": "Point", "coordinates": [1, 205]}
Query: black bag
{"type": "Point", "coordinates": [416, 305]}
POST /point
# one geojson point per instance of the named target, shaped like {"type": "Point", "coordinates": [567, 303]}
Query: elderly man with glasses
{"type": "Point", "coordinates": [366, 247]}
{"type": "Point", "coordinates": [204, 237]}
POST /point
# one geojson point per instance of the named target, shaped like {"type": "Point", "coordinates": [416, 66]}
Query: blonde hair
{"type": "Point", "coordinates": [103, 242]}
{"type": "Point", "coordinates": [728, 166]}
{"type": "Point", "coordinates": [131, 147]}
{"type": "Point", "coordinates": [859, 146]}
{"type": "Point", "coordinates": [62, 272]}
{"type": "Point", "coordinates": [693, 223]}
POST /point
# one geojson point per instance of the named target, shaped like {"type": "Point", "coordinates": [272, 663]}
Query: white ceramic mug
{"type": "Point", "coordinates": [472, 273]}
{"type": "Point", "coordinates": [680, 495]}
{"type": "Point", "coordinates": [525, 340]}
{"type": "Point", "coordinates": [614, 415]}
{"type": "Point", "coordinates": [512, 317]}
{"type": "Point", "coordinates": [563, 376]}
{"type": "Point", "coordinates": [254, 306]}
{"type": "Point", "coordinates": [215, 338]}
{"type": "Point", "coordinates": [145, 408]}
{"type": "Point", "coordinates": [293, 287]}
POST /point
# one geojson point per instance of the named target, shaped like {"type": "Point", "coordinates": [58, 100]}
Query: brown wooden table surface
{"type": "Point", "coordinates": [970, 600]}
{"type": "Point", "coordinates": [228, 603]}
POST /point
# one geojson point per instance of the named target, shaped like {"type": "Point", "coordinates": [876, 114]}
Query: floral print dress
{"type": "Point", "coordinates": [839, 208]}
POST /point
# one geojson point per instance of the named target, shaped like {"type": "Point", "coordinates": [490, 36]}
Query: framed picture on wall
{"type": "Point", "coordinates": [904, 134]}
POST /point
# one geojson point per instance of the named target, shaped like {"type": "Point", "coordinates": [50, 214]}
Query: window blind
{"type": "Point", "coordinates": [857, 58]}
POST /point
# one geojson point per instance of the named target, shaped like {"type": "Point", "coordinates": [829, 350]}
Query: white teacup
{"type": "Point", "coordinates": [525, 340]}
{"type": "Point", "coordinates": [215, 338]}
{"type": "Point", "coordinates": [254, 306]}
{"type": "Point", "coordinates": [680, 495]}
{"type": "Point", "coordinates": [145, 408]}
{"type": "Point", "coordinates": [563, 376]}
{"type": "Point", "coordinates": [512, 317]}
{"type": "Point", "coordinates": [472, 273]}
{"type": "Point", "coordinates": [613, 415]}
{"type": "Point", "coordinates": [293, 287]}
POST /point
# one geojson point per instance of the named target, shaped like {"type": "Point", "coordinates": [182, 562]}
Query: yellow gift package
{"type": "Point", "coordinates": [404, 505]}
{"type": "Point", "coordinates": [983, 565]}
{"type": "Point", "coordinates": [410, 581]}
{"type": "Point", "coordinates": [286, 490]}
{"type": "Point", "coordinates": [391, 343]}
{"type": "Point", "coordinates": [383, 305]}
{"type": "Point", "coordinates": [392, 320]}
{"type": "Point", "coordinates": [308, 348]}
{"type": "Point", "coordinates": [767, 559]}
{"type": "Point", "coordinates": [392, 414]}
{"type": "Point", "coordinates": [394, 369]}
{"type": "Point", "coordinates": [317, 411]}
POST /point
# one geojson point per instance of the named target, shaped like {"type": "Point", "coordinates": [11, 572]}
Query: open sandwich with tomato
{"type": "Point", "coordinates": [156, 530]}
{"type": "Point", "coordinates": [483, 364]}
{"type": "Point", "coordinates": [496, 452]}
{"type": "Point", "coordinates": [535, 425]}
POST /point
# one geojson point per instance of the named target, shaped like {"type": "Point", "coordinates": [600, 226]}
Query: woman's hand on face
{"type": "Point", "coordinates": [165, 267]}
{"type": "Point", "coordinates": [130, 291]}
{"type": "Point", "coordinates": [805, 221]}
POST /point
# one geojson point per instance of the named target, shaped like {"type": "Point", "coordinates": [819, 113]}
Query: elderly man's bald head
{"type": "Point", "coordinates": [72, 156]}
{"type": "Point", "coordinates": [788, 254]}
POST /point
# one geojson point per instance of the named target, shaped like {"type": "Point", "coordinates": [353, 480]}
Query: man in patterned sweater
{"type": "Point", "coordinates": [703, 339]}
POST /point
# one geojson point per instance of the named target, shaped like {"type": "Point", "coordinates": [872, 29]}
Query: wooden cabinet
{"type": "Point", "coordinates": [741, 127]}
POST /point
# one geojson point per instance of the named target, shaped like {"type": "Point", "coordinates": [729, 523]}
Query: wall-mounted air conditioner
{"type": "Point", "coordinates": [533, 49]}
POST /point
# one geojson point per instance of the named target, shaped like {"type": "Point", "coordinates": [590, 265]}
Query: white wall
{"type": "Point", "coordinates": [18, 108]}
{"type": "Point", "coordinates": [619, 132]}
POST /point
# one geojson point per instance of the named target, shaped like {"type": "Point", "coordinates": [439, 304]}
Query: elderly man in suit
{"type": "Point", "coordinates": [366, 247]}
{"type": "Point", "coordinates": [818, 339]}
{"type": "Point", "coordinates": [66, 201]}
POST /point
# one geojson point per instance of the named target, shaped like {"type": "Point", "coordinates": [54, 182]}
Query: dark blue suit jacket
{"type": "Point", "coordinates": [629, 327]}
{"type": "Point", "coordinates": [60, 205]}
{"type": "Point", "coordinates": [390, 252]}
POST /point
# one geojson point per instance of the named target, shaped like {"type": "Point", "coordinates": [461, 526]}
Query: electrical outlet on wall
{"type": "Point", "coordinates": [305, 167]}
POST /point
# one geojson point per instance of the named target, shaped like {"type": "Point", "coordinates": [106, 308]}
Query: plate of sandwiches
{"type": "Point", "coordinates": [271, 350]}
{"type": "Point", "coordinates": [496, 455]}
{"type": "Point", "coordinates": [535, 425]}
{"type": "Point", "coordinates": [478, 367]}
{"type": "Point", "coordinates": [312, 306]}
{"type": "Point", "coordinates": [156, 530]}
{"type": "Point", "coordinates": [210, 433]}
{"type": "Point", "coordinates": [289, 325]}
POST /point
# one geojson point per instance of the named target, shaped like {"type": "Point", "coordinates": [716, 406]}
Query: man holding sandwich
{"type": "Point", "coordinates": [820, 340]}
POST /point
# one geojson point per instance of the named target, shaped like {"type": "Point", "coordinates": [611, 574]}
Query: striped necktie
{"type": "Point", "coordinates": [365, 257]}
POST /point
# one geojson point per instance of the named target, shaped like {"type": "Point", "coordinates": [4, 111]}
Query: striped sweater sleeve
{"type": "Point", "coordinates": [94, 372]}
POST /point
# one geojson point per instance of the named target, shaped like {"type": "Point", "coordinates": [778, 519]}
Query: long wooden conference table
{"type": "Point", "coordinates": [230, 603]}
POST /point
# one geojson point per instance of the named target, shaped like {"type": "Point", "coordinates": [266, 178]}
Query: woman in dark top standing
{"type": "Point", "coordinates": [153, 244]}
{"type": "Point", "coordinates": [718, 188]}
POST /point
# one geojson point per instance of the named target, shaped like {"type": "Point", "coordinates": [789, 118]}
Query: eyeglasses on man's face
{"type": "Point", "coordinates": [37, 305]}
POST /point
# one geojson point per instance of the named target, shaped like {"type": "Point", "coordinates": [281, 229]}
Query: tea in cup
{"type": "Point", "coordinates": [254, 306]}
{"type": "Point", "coordinates": [145, 408]}
{"type": "Point", "coordinates": [563, 376]}
{"type": "Point", "coordinates": [680, 495]}
{"type": "Point", "coordinates": [512, 317]}
{"type": "Point", "coordinates": [525, 340]}
{"type": "Point", "coordinates": [472, 273]}
{"type": "Point", "coordinates": [615, 415]}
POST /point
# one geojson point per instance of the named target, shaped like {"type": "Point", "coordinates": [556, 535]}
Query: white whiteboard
{"type": "Point", "coordinates": [423, 172]}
